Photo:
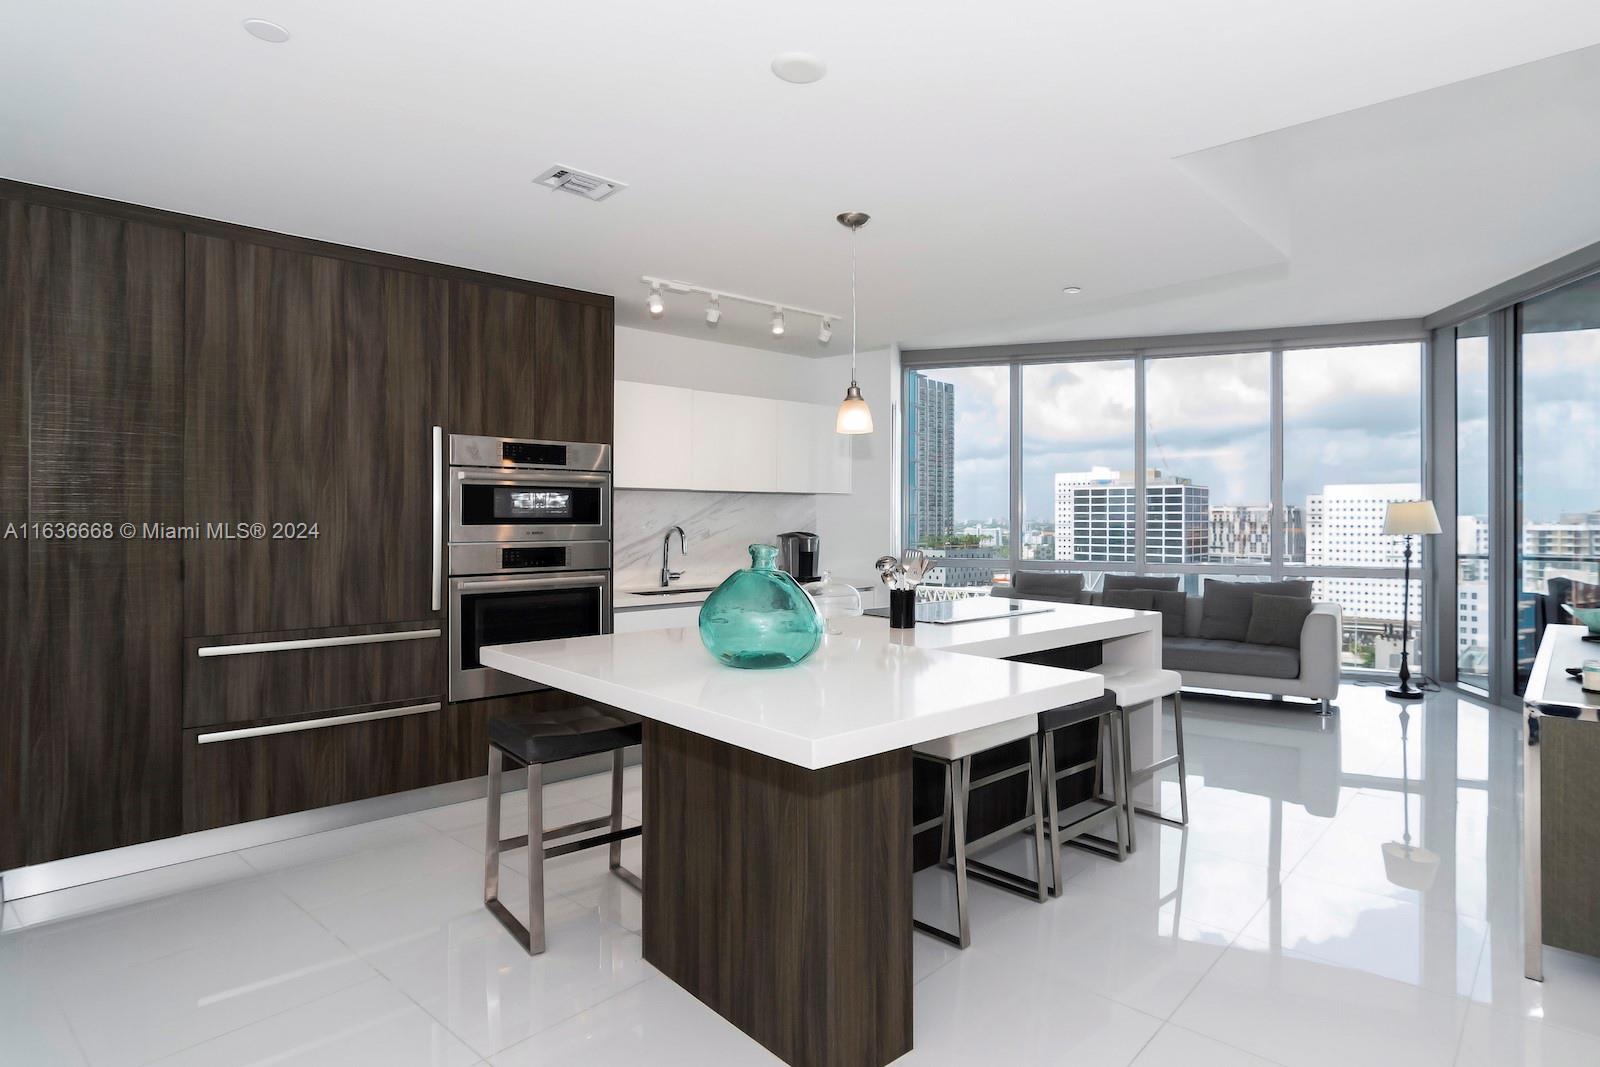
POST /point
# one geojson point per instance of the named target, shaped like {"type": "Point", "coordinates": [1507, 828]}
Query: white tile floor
{"type": "Point", "coordinates": [1266, 933]}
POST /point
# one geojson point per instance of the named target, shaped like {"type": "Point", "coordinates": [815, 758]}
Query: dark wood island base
{"type": "Point", "coordinates": [781, 897]}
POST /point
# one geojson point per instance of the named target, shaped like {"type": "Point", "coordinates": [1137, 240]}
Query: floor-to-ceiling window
{"type": "Point", "coordinates": [1473, 443]}
{"type": "Point", "coordinates": [1558, 419]}
{"type": "Point", "coordinates": [1265, 462]}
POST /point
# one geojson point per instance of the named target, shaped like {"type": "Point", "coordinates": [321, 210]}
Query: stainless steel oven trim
{"type": "Point", "coordinates": [596, 531]}
{"type": "Point", "coordinates": [207, 651]}
{"type": "Point", "coordinates": [315, 724]}
{"type": "Point", "coordinates": [481, 682]}
{"type": "Point", "coordinates": [436, 588]}
{"type": "Point", "coordinates": [468, 450]}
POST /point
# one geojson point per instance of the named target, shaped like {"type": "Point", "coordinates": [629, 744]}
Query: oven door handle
{"type": "Point", "coordinates": [504, 477]}
{"type": "Point", "coordinates": [512, 585]}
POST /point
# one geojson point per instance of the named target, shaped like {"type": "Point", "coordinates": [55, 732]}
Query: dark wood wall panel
{"type": "Point", "coordinates": [105, 354]}
{"type": "Point", "coordinates": [13, 512]}
{"type": "Point", "coordinates": [282, 684]}
{"type": "Point", "coordinates": [313, 385]}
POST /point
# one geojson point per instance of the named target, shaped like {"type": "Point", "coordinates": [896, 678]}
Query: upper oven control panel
{"type": "Point", "coordinates": [469, 451]}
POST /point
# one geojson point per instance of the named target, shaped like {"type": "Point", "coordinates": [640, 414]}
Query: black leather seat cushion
{"type": "Point", "coordinates": [1083, 710]}
{"type": "Point", "coordinates": [566, 733]}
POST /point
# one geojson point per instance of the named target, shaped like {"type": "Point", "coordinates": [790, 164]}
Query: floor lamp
{"type": "Point", "coordinates": [1408, 518]}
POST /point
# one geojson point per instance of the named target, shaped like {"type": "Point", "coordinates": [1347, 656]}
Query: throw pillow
{"type": "Point", "coordinates": [1276, 620]}
{"type": "Point", "coordinates": [1174, 608]}
{"type": "Point", "coordinates": [1135, 599]}
{"type": "Point", "coordinates": [1226, 606]}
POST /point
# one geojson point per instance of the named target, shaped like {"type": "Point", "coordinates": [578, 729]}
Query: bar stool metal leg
{"type": "Point", "coordinates": [960, 779]}
{"type": "Point", "coordinates": [1049, 773]}
{"type": "Point", "coordinates": [1125, 766]}
{"type": "Point", "coordinates": [535, 859]}
{"type": "Point", "coordinates": [1183, 770]}
{"type": "Point", "coordinates": [1037, 803]}
{"type": "Point", "coordinates": [1119, 789]}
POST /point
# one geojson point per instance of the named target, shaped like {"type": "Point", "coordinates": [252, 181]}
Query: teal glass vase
{"type": "Point", "coordinates": [759, 618]}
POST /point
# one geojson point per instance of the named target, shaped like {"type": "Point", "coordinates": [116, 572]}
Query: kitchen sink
{"type": "Point", "coordinates": [670, 591]}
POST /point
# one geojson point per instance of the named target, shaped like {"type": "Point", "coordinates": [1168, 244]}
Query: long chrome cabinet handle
{"type": "Point", "coordinates": [315, 724]}
{"type": "Point", "coordinates": [438, 513]}
{"type": "Point", "coordinates": [316, 642]}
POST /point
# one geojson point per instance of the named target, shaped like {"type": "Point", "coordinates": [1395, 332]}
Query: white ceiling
{"type": "Point", "coordinates": [1192, 164]}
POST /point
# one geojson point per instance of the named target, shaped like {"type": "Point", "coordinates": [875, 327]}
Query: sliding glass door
{"type": "Point", "coordinates": [1474, 439]}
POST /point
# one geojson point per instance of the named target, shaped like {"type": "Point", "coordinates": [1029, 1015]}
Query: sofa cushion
{"type": "Point", "coordinates": [1139, 581]}
{"type": "Point", "coordinates": [1048, 585]}
{"type": "Point", "coordinates": [1210, 656]}
{"type": "Point", "coordinates": [1136, 599]}
{"type": "Point", "coordinates": [1277, 620]}
{"type": "Point", "coordinates": [1225, 611]}
{"type": "Point", "coordinates": [1173, 605]}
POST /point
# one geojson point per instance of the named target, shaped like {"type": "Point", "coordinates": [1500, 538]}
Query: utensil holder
{"type": "Point", "coordinates": [902, 608]}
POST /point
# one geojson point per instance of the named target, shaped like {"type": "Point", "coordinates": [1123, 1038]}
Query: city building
{"type": "Point", "coordinates": [1567, 548]}
{"type": "Point", "coordinates": [1095, 517]}
{"type": "Point", "coordinates": [1242, 533]}
{"type": "Point", "coordinates": [1344, 528]}
{"type": "Point", "coordinates": [931, 459]}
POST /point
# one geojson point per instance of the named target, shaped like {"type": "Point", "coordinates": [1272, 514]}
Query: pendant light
{"type": "Point", "coordinates": [854, 415]}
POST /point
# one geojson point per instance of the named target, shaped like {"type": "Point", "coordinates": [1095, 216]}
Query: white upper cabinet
{"type": "Point", "coordinates": [671, 438]}
{"type": "Point", "coordinates": [653, 428]}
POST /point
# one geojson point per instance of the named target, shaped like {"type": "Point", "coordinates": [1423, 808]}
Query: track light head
{"type": "Point", "coordinates": [656, 305]}
{"type": "Point", "coordinates": [713, 312]}
{"type": "Point", "coordinates": [777, 322]}
{"type": "Point", "coordinates": [825, 332]}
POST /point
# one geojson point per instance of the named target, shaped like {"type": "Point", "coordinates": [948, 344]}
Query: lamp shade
{"type": "Point", "coordinates": [1411, 517]}
{"type": "Point", "coordinates": [854, 416]}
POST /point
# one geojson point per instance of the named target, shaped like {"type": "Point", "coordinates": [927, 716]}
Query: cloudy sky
{"type": "Point", "coordinates": [1351, 414]}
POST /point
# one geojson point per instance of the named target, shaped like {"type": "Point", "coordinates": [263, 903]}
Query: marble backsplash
{"type": "Point", "coordinates": [719, 527]}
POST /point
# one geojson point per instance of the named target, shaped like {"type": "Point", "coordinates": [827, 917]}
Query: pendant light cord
{"type": "Point", "coordinates": [853, 309]}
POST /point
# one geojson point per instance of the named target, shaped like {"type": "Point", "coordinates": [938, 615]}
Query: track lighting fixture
{"type": "Point", "coordinates": [714, 298]}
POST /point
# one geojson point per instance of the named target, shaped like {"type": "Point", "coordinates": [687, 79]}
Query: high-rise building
{"type": "Point", "coordinates": [1242, 533]}
{"type": "Point", "coordinates": [1095, 516]}
{"type": "Point", "coordinates": [1344, 528]}
{"type": "Point", "coordinates": [1567, 548]}
{"type": "Point", "coordinates": [931, 415]}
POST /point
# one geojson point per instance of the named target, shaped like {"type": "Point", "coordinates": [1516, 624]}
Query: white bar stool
{"type": "Point", "coordinates": [1132, 687]}
{"type": "Point", "coordinates": [955, 753]}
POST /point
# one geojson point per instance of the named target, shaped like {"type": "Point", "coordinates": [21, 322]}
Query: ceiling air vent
{"type": "Point", "coordinates": [588, 186]}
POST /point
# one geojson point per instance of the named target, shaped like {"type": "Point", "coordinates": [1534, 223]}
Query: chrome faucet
{"type": "Point", "coordinates": [668, 575]}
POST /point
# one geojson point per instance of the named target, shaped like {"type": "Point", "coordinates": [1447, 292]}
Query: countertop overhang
{"type": "Point", "coordinates": [868, 690]}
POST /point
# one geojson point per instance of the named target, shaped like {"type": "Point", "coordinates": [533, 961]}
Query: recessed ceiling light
{"type": "Point", "coordinates": [1071, 290]}
{"type": "Point", "coordinates": [801, 68]}
{"type": "Point", "coordinates": [262, 30]}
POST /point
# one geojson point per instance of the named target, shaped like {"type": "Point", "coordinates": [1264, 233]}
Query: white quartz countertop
{"type": "Point", "coordinates": [629, 599]}
{"type": "Point", "coordinates": [868, 690]}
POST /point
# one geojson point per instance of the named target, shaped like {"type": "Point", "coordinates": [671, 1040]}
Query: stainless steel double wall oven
{"type": "Point", "coordinates": [530, 550]}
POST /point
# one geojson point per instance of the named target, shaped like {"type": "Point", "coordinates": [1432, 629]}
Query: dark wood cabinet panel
{"type": "Point", "coordinates": [313, 385]}
{"type": "Point", "coordinates": [234, 780]}
{"type": "Point", "coordinates": [526, 366]}
{"type": "Point", "coordinates": [572, 372]}
{"type": "Point", "coordinates": [491, 361]}
{"type": "Point", "coordinates": [104, 357]}
{"type": "Point", "coordinates": [280, 683]}
{"type": "Point", "coordinates": [13, 511]}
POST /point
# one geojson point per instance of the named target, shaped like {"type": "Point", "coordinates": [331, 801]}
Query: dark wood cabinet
{"type": "Point", "coordinates": [313, 386]}
{"type": "Point", "coordinates": [13, 511]}
{"type": "Point", "coordinates": [101, 348]}
{"type": "Point", "coordinates": [231, 776]}
{"type": "Point", "coordinates": [523, 365]}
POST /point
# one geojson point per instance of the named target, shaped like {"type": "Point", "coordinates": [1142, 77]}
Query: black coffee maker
{"type": "Point", "coordinates": [798, 554]}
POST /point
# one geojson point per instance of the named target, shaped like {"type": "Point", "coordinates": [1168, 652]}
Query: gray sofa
{"type": "Point", "coordinates": [1291, 650]}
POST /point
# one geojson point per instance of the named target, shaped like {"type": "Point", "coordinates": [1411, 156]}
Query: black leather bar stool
{"type": "Point", "coordinates": [532, 740]}
{"type": "Point", "coordinates": [1072, 826]}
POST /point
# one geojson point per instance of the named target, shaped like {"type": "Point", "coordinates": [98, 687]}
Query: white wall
{"type": "Point", "coordinates": [855, 529]}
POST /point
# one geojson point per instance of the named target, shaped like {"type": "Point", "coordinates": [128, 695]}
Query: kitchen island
{"type": "Point", "coordinates": [777, 804]}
